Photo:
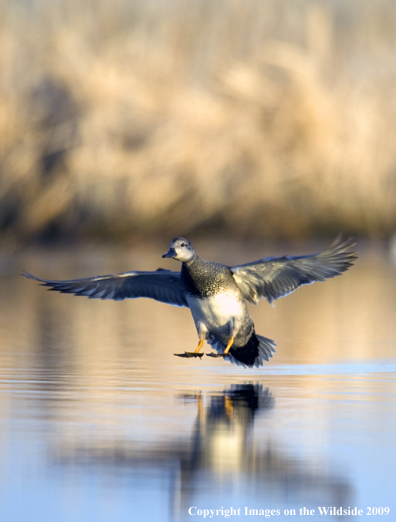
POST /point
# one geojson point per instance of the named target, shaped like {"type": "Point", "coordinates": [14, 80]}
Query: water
{"type": "Point", "coordinates": [99, 421]}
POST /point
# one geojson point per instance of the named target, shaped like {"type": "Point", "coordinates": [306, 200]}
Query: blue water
{"type": "Point", "coordinates": [99, 421]}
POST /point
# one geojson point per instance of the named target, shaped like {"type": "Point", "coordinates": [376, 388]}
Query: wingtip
{"type": "Point", "coordinates": [31, 276]}
{"type": "Point", "coordinates": [341, 243]}
{"type": "Point", "coordinates": [343, 246]}
{"type": "Point", "coordinates": [26, 274]}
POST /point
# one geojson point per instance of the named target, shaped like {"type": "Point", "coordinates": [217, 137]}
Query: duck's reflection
{"type": "Point", "coordinates": [220, 439]}
{"type": "Point", "coordinates": [221, 457]}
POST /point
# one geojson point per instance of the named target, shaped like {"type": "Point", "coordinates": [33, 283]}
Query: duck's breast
{"type": "Point", "coordinates": [217, 311]}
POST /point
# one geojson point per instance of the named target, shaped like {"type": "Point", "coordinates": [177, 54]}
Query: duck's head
{"type": "Point", "coordinates": [181, 250]}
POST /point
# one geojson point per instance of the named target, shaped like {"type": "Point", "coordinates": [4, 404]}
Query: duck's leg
{"type": "Point", "coordinates": [229, 344]}
{"type": "Point", "coordinates": [200, 344]}
{"type": "Point", "coordinates": [227, 348]}
{"type": "Point", "coordinates": [234, 327]}
{"type": "Point", "coordinates": [192, 354]}
{"type": "Point", "coordinates": [202, 332]}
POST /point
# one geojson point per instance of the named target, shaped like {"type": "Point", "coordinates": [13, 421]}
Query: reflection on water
{"type": "Point", "coordinates": [100, 422]}
{"type": "Point", "coordinates": [218, 456]}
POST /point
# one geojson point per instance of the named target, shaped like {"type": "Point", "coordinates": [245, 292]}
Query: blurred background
{"type": "Point", "coordinates": [249, 119]}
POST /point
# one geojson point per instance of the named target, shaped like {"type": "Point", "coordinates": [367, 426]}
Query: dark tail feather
{"type": "Point", "coordinates": [257, 350]}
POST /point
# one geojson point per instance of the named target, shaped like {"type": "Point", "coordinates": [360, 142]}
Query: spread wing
{"type": "Point", "coordinates": [162, 285]}
{"type": "Point", "coordinates": [274, 277]}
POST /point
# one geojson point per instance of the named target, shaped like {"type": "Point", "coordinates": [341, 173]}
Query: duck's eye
{"type": "Point", "coordinates": [183, 244]}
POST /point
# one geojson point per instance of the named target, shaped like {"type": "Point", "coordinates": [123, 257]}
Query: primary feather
{"type": "Point", "coordinates": [162, 285]}
{"type": "Point", "coordinates": [274, 277]}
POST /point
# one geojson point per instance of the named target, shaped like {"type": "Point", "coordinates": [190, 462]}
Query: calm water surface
{"type": "Point", "coordinates": [99, 421]}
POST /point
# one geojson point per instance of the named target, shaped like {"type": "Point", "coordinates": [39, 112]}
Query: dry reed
{"type": "Point", "coordinates": [248, 117]}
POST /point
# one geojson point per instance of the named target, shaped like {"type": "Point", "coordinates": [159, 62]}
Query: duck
{"type": "Point", "coordinates": [217, 294]}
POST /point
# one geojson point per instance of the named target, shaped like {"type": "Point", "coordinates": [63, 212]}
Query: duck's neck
{"type": "Point", "coordinates": [194, 277]}
{"type": "Point", "coordinates": [194, 261]}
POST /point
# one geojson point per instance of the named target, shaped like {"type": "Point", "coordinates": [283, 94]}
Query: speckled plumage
{"type": "Point", "coordinates": [203, 279]}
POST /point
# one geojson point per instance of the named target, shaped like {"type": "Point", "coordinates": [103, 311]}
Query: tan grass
{"type": "Point", "coordinates": [253, 118]}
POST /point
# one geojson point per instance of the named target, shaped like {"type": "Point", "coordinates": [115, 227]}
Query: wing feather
{"type": "Point", "coordinates": [275, 277]}
{"type": "Point", "coordinates": [162, 285]}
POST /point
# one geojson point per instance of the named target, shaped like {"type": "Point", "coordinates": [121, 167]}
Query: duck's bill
{"type": "Point", "coordinates": [171, 253]}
